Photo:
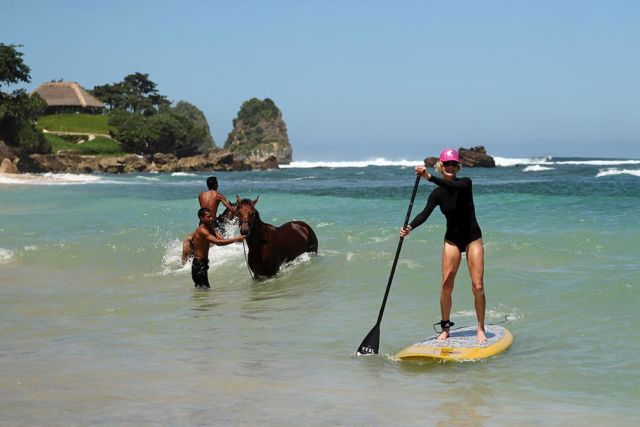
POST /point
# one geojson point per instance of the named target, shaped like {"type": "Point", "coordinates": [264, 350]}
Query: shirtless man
{"type": "Point", "coordinates": [202, 237]}
{"type": "Point", "coordinates": [209, 199]}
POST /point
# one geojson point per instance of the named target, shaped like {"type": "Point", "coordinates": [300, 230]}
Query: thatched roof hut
{"type": "Point", "coordinates": [68, 97]}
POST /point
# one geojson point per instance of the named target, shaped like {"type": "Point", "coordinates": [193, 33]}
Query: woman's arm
{"type": "Point", "coordinates": [432, 202]}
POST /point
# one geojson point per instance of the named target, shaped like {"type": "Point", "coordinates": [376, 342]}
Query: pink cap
{"type": "Point", "coordinates": [449, 154]}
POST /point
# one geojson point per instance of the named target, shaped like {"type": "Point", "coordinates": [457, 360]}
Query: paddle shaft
{"type": "Point", "coordinates": [371, 342]}
{"type": "Point", "coordinates": [395, 259]}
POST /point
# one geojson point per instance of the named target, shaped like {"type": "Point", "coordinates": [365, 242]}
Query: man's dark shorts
{"type": "Point", "coordinates": [199, 268]}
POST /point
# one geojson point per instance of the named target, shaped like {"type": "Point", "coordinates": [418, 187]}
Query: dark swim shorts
{"type": "Point", "coordinates": [199, 268]}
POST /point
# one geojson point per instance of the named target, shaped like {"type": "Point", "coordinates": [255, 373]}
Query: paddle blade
{"type": "Point", "coordinates": [371, 343]}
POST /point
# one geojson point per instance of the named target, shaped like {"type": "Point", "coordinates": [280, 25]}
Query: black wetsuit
{"type": "Point", "coordinates": [455, 199]}
{"type": "Point", "coordinates": [199, 269]}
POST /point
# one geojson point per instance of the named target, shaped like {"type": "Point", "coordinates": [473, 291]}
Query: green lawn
{"type": "Point", "coordinates": [99, 146]}
{"type": "Point", "coordinates": [89, 123]}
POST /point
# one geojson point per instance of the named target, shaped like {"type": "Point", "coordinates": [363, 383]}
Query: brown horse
{"type": "Point", "coordinates": [270, 246]}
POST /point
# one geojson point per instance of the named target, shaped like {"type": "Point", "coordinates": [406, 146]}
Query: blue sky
{"type": "Point", "coordinates": [363, 79]}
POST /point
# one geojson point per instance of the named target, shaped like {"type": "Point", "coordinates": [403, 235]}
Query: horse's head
{"type": "Point", "coordinates": [247, 214]}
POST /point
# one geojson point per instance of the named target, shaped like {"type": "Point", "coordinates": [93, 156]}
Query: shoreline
{"type": "Point", "coordinates": [223, 160]}
{"type": "Point", "coordinates": [220, 160]}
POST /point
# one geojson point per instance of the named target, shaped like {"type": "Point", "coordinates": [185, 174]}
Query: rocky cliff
{"type": "Point", "coordinates": [259, 132]}
{"type": "Point", "coordinates": [73, 162]}
{"type": "Point", "coordinates": [217, 160]}
{"type": "Point", "coordinates": [469, 157]}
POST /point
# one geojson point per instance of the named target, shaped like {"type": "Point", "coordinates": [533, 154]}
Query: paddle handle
{"type": "Point", "coordinates": [395, 259]}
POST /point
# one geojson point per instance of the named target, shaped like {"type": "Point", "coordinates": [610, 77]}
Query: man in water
{"type": "Point", "coordinates": [201, 238]}
{"type": "Point", "coordinates": [209, 199]}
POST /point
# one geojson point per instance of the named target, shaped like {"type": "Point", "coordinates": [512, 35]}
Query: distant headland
{"type": "Point", "coordinates": [129, 126]}
{"type": "Point", "coordinates": [125, 126]}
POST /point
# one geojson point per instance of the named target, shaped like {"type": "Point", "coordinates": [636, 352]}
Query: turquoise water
{"type": "Point", "coordinates": [100, 324]}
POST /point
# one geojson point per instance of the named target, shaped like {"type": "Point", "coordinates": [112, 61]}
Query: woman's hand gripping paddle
{"type": "Point", "coordinates": [371, 342]}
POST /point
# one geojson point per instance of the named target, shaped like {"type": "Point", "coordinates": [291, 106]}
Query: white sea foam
{"type": "Point", "coordinates": [301, 178]}
{"type": "Point", "coordinates": [324, 224]}
{"type": "Point", "coordinates": [516, 161]}
{"type": "Point", "coordinates": [614, 171]}
{"type": "Point", "coordinates": [172, 258]}
{"type": "Point", "coordinates": [599, 162]}
{"type": "Point", "coordinates": [183, 174]}
{"type": "Point", "coordinates": [500, 161]}
{"type": "Point", "coordinates": [536, 168]}
{"type": "Point", "coordinates": [218, 255]}
{"type": "Point", "coordinates": [49, 179]}
{"type": "Point", "coordinates": [303, 259]}
{"type": "Point", "coordinates": [5, 256]}
{"type": "Point", "coordinates": [546, 161]}
{"type": "Point", "coordinates": [379, 161]}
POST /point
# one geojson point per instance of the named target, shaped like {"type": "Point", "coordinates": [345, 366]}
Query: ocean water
{"type": "Point", "coordinates": [101, 325]}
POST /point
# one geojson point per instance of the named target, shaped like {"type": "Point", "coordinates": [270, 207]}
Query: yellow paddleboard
{"type": "Point", "coordinates": [461, 345]}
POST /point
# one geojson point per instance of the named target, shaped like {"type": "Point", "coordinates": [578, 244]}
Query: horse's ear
{"type": "Point", "coordinates": [237, 199]}
{"type": "Point", "coordinates": [256, 200]}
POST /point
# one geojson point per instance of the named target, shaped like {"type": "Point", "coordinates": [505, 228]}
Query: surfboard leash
{"type": "Point", "coordinates": [505, 320]}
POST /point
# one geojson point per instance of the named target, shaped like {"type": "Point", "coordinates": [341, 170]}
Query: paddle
{"type": "Point", "coordinates": [371, 342]}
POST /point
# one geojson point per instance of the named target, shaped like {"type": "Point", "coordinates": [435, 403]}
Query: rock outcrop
{"type": "Point", "coordinates": [6, 152]}
{"type": "Point", "coordinates": [8, 166]}
{"type": "Point", "coordinates": [215, 160]}
{"type": "Point", "coordinates": [8, 159]}
{"type": "Point", "coordinates": [260, 133]}
{"type": "Point", "coordinates": [469, 157]}
{"type": "Point", "coordinates": [476, 157]}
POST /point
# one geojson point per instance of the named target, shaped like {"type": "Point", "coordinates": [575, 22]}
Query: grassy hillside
{"type": "Point", "coordinates": [89, 123]}
{"type": "Point", "coordinates": [98, 146]}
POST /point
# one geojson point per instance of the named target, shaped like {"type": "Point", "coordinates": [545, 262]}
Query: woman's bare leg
{"type": "Point", "coordinates": [451, 257]}
{"type": "Point", "coordinates": [475, 261]}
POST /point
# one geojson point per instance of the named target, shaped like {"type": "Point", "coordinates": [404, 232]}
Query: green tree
{"type": "Point", "coordinates": [112, 95]}
{"type": "Point", "coordinates": [136, 94]}
{"type": "Point", "coordinates": [197, 117]}
{"type": "Point", "coordinates": [133, 131]}
{"type": "Point", "coordinates": [254, 109]}
{"type": "Point", "coordinates": [18, 110]}
{"type": "Point", "coordinates": [164, 132]}
{"type": "Point", "coordinates": [144, 121]}
{"type": "Point", "coordinates": [12, 68]}
{"type": "Point", "coordinates": [178, 134]}
{"type": "Point", "coordinates": [255, 124]}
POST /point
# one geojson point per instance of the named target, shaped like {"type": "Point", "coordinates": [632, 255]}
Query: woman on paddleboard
{"type": "Point", "coordinates": [455, 197]}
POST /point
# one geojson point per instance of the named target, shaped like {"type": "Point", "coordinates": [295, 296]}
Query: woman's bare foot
{"type": "Point", "coordinates": [443, 335]}
{"type": "Point", "coordinates": [481, 337]}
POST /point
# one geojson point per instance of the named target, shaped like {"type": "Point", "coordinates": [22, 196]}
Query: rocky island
{"type": "Point", "coordinates": [469, 157]}
{"type": "Point", "coordinates": [259, 133]}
